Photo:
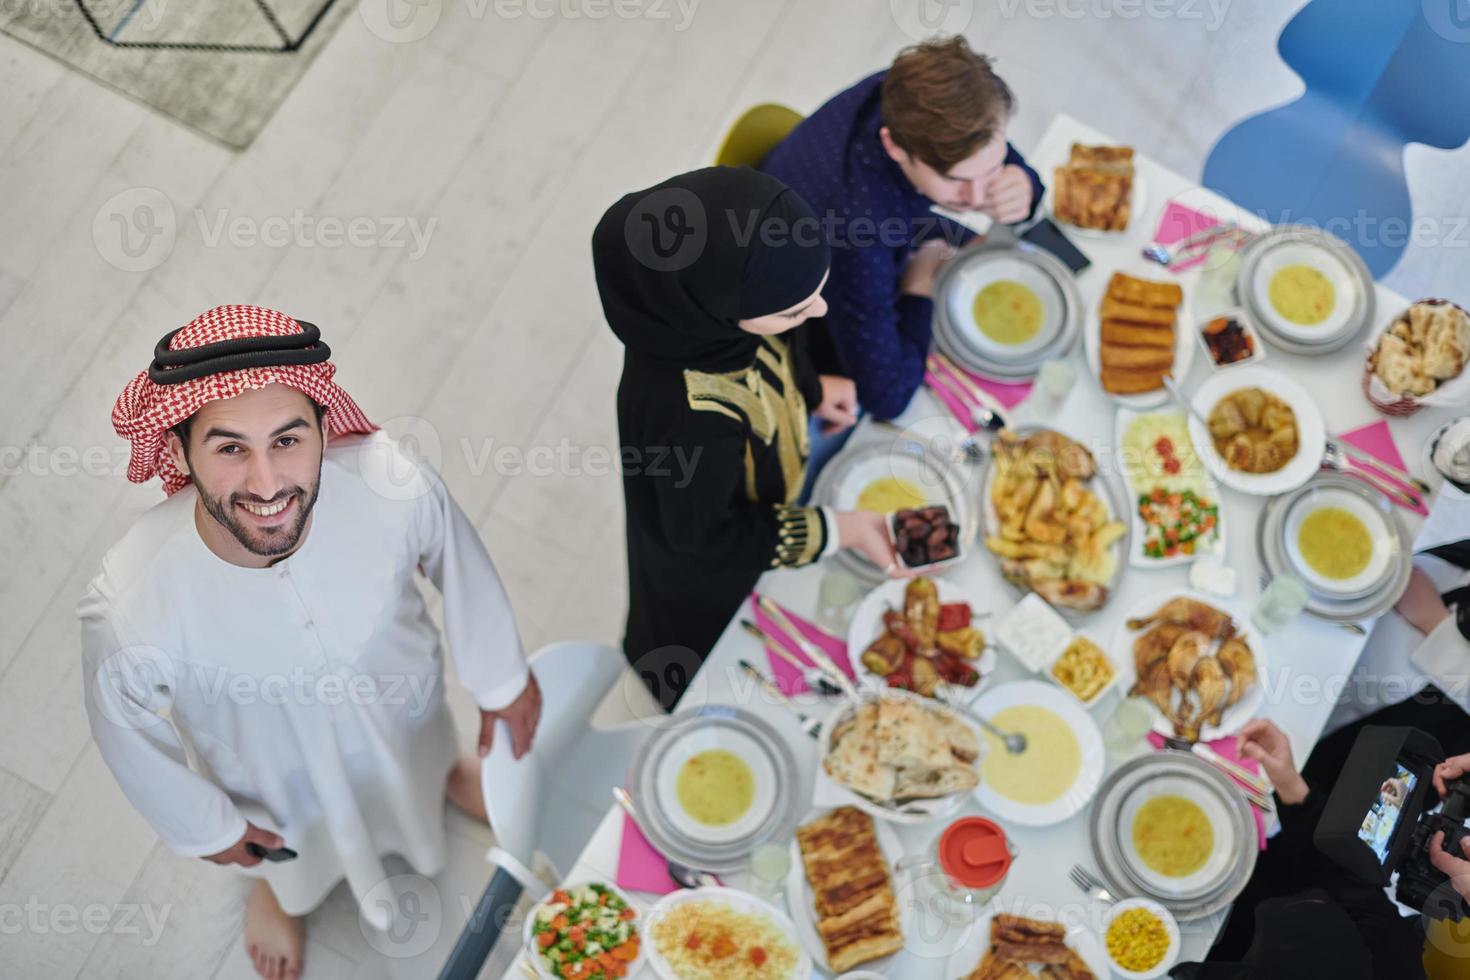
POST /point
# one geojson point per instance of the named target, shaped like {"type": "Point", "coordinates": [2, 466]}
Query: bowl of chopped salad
{"type": "Point", "coordinates": [584, 932]}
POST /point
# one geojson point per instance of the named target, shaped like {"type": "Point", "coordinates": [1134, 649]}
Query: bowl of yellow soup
{"type": "Point", "coordinates": [1177, 837]}
{"type": "Point", "coordinates": [1339, 543]}
{"type": "Point", "coordinates": [716, 785]}
{"type": "Point", "coordinates": [1056, 775]}
{"type": "Point", "coordinates": [1007, 308]}
{"type": "Point", "coordinates": [1307, 292]}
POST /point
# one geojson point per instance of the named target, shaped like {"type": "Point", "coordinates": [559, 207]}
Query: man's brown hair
{"type": "Point", "coordinates": [942, 102]}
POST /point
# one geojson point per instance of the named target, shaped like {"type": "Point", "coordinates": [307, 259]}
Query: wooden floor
{"type": "Point", "coordinates": [509, 134]}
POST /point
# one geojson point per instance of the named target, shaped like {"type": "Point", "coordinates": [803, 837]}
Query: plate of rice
{"type": "Point", "coordinates": [722, 934]}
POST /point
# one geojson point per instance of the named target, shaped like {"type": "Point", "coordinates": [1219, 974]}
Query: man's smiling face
{"type": "Point", "coordinates": [256, 460]}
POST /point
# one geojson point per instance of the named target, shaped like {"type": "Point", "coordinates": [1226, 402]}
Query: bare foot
{"type": "Point", "coordinates": [463, 788]}
{"type": "Point", "coordinates": [273, 939]}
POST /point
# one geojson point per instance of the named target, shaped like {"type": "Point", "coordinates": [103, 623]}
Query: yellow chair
{"type": "Point", "coordinates": [1447, 950]}
{"type": "Point", "coordinates": [755, 134]}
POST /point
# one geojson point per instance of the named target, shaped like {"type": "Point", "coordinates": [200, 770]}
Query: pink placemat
{"type": "Point", "coordinates": [640, 867]}
{"type": "Point", "coordinates": [1376, 440]}
{"type": "Point", "coordinates": [1008, 393]}
{"type": "Point", "coordinates": [1178, 223]}
{"type": "Point", "coordinates": [787, 677]}
{"type": "Point", "coordinates": [957, 408]}
{"type": "Point", "coordinates": [1229, 748]}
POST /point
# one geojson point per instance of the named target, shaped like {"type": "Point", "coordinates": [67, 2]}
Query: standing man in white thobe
{"type": "Point", "coordinates": [262, 670]}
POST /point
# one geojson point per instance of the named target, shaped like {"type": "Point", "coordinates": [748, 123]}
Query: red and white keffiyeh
{"type": "Point", "coordinates": [145, 410]}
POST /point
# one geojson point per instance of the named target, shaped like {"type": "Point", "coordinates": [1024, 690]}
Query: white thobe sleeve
{"type": "Point", "coordinates": [478, 620]}
{"type": "Point", "coordinates": [129, 687]}
{"type": "Point", "coordinates": [1444, 655]}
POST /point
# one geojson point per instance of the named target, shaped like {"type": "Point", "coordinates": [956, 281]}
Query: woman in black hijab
{"type": "Point", "coordinates": [699, 277]}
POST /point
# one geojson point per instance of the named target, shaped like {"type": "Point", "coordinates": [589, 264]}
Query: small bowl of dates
{"type": "Point", "coordinates": [1229, 339]}
{"type": "Point", "coordinates": [925, 537]}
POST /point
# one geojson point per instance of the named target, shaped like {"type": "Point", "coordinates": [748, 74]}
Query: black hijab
{"type": "Point", "coordinates": [679, 264]}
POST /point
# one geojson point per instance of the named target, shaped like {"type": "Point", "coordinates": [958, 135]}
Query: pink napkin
{"type": "Point", "coordinates": [1008, 393]}
{"type": "Point", "coordinates": [787, 677]}
{"type": "Point", "coordinates": [640, 867]}
{"type": "Point", "coordinates": [1229, 748]}
{"type": "Point", "coordinates": [1376, 440]}
{"type": "Point", "coordinates": [957, 408]}
{"type": "Point", "coordinates": [1178, 223]}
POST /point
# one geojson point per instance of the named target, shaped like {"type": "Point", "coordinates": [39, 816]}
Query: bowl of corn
{"type": "Point", "coordinates": [1142, 939]}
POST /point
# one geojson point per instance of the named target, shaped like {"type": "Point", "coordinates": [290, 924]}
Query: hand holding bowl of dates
{"type": "Point", "coordinates": [926, 537]}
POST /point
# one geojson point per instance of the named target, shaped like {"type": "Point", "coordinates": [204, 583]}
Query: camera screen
{"type": "Point", "coordinates": [1383, 817]}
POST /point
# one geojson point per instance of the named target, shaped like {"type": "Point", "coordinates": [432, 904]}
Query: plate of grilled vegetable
{"type": "Point", "coordinates": [1196, 663]}
{"type": "Point", "coordinates": [1051, 519]}
{"type": "Point", "coordinates": [921, 635]}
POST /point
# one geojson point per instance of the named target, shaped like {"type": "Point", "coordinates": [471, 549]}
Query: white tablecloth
{"type": "Point", "coordinates": [1303, 658]}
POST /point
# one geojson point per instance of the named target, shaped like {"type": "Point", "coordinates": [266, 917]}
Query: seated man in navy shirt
{"type": "Point", "coordinates": [928, 131]}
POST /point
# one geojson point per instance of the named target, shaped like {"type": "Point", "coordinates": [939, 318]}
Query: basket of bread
{"type": "Point", "coordinates": [1419, 359]}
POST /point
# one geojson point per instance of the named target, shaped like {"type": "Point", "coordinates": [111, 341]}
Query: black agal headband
{"type": "Point", "coordinates": [171, 367]}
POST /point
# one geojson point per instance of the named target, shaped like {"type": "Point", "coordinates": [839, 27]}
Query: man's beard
{"type": "Point", "coordinates": [266, 542]}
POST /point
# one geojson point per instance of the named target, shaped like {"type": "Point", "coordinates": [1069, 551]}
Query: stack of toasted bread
{"type": "Point", "coordinates": [1095, 187]}
{"type": "Point", "coordinates": [857, 913]}
{"type": "Point", "coordinates": [1137, 345]}
{"type": "Point", "coordinates": [1016, 941]}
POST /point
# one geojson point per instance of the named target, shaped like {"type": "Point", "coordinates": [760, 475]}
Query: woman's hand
{"type": "Point", "coordinates": [839, 403]}
{"type": "Point", "coordinates": [867, 533]}
{"type": "Point", "coordinates": [1421, 604]}
{"type": "Point", "coordinates": [922, 268]}
{"type": "Point", "coordinates": [1263, 741]}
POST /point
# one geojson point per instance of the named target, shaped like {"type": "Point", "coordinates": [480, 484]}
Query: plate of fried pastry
{"type": "Point", "coordinates": [1097, 191]}
{"type": "Point", "coordinates": [841, 890]}
{"type": "Point", "coordinates": [1003, 946]}
{"type": "Point", "coordinates": [1137, 339]}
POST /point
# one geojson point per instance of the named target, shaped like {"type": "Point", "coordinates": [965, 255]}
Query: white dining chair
{"type": "Point", "coordinates": [547, 804]}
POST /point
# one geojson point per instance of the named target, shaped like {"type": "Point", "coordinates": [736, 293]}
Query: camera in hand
{"type": "Point", "coordinates": [1381, 816]}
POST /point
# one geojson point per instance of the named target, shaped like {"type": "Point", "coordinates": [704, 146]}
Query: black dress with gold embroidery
{"type": "Point", "coordinates": [703, 526]}
{"type": "Point", "coordinates": [712, 416]}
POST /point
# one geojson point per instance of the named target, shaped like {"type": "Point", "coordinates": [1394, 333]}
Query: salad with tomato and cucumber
{"type": "Point", "coordinates": [587, 932]}
{"type": "Point", "coordinates": [1176, 524]}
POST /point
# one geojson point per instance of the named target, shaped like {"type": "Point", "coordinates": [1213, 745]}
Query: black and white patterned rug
{"type": "Point", "coordinates": [219, 66]}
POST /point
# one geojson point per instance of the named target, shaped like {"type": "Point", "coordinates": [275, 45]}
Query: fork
{"type": "Point", "coordinates": [809, 726]}
{"type": "Point", "coordinates": [1094, 889]}
{"type": "Point", "coordinates": [1333, 458]}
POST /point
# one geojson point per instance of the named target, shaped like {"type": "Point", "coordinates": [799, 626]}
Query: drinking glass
{"type": "Point", "coordinates": [836, 596]}
{"type": "Point", "coordinates": [1283, 598]}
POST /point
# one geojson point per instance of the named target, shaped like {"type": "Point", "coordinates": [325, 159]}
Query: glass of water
{"type": "Point", "coordinates": [770, 863]}
{"type": "Point", "coordinates": [836, 596]}
{"type": "Point", "coordinates": [1281, 601]}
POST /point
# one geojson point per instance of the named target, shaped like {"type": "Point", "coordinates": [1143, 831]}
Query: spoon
{"type": "Point", "coordinates": [1014, 742]}
{"type": "Point", "coordinates": [1173, 387]}
{"type": "Point", "coordinates": [683, 875]}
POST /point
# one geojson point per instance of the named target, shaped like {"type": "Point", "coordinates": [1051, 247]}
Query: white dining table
{"type": "Point", "coordinates": [1305, 660]}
